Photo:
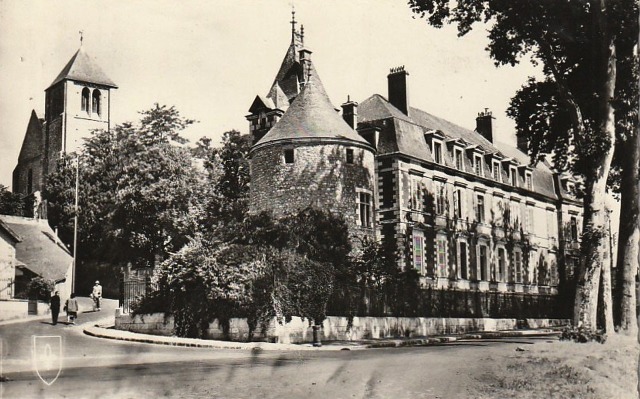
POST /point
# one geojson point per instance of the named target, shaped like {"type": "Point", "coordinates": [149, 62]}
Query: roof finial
{"type": "Point", "coordinates": [81, 34]}
{"type": "Point", "coordinates": [302, 34]}
{"type": "Point", "coordinates": [293, 23]}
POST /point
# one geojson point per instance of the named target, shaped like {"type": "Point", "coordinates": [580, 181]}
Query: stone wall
{"type": "Point", "coordinates": [319, 176]}
{"type": "Point", "coordinates": [335, 328]}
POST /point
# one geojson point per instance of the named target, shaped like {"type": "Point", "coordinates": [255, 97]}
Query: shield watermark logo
{"type": "Point", "coordinates": [47, 357]}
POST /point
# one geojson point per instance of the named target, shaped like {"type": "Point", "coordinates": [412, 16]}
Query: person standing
{"type": "Point", "coordinates": [54, 305]}
{"type": "Point", "coordinates": [71, 308]}
{"type": "Point", "coordinates": [96, 295]}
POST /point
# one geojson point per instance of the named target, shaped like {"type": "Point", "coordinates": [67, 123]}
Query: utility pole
{"type": "Point", "coordinates": [75, 228]}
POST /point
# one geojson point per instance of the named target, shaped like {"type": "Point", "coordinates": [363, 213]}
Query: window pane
{"type": "Point", "coordinates": [463, 261]}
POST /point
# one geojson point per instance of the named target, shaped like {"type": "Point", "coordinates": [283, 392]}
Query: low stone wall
{"type": "Point", "coordinates": [18, 309]}
{"type": "Point", "coordinates": [334, 328]}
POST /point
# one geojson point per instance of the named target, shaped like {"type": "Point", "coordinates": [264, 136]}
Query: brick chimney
{"type": "Point", "coordinates": [484, 124]}
{"type": "Point", "coordinates": [305, 60]}
{"type": "Point", "coordinates": [350, 113]}
{"type": "Point", "coordinates": [398, 90]}
{"type": "Point", "coordinates": [522, 143]}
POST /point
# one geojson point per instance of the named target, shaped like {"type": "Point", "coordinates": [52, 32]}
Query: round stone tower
{"type": "Point", "coordinates": [312, 157]}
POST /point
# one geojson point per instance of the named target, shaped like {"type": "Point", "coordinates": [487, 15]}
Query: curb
{"type": "Point", "coordinates": [397, 343]}
{"type": "Point", "coordinates": [103, 331]}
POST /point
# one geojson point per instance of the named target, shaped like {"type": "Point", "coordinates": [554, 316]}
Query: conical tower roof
{"type": "Point", "coordinates": [311, 116]}
{"type": "Point", "coordinates": [82, 68]}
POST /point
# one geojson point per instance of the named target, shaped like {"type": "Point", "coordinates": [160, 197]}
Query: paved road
{"type": "Point", "coordinates": [98, 368]}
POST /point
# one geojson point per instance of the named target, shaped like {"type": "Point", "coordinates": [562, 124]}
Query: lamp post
{"type": "Point", "coordinates": [75, 228]}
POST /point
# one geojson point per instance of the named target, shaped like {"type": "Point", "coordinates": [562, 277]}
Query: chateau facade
{"type": "Point", "coordinates": [463, 211]}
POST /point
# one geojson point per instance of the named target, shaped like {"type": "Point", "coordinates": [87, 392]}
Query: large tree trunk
{"type": "Point", "coordinates": [594, 227]}
{"type": "Point", "coordinates": [629, 238]}
{"type": "Point", "coordinates": [605, 286]}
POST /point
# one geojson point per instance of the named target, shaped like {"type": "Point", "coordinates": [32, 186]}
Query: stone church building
{"type": "Point", "coordinates": [77, 102]}
{"type": "Point", "coordinates": [465, 212]}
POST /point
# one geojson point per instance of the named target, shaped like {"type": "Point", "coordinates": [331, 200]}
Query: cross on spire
{"type": "Point", "coordinates": [81, 37]}
{"type": "Point", "coordinates": [293, 24]}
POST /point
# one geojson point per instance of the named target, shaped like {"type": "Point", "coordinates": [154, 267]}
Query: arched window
{"type": "Point", "coordinates": [85, 100]}
{"type": "Point", "coordinates": [95, 103]}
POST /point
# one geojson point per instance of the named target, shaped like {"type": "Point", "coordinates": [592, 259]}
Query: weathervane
{"type": "Point", "coordinates": [81, 33]}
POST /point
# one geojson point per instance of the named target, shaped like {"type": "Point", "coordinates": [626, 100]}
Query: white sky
{"type": "Point", "coordinates": [210, 59]}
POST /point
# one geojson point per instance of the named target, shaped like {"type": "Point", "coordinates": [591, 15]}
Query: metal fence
{"type": "Point", "coordinates": [132, 290]}
{"type": "Point", "coordinates": [6, 288]}
{"type": "Point", "coordinates": [447, 303]}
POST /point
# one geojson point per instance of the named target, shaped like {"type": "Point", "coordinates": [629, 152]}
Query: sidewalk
{"type": "Point", "coordinates": [108, 332]}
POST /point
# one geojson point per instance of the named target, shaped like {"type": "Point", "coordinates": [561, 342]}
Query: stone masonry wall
{"type": "Point", "coordinates": [319, 176]}
{"type": "Point", "coordinates": [336, 328]}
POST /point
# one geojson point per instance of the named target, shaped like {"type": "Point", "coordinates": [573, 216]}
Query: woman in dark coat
{"type": "Point", "coordinates": [55, 308]}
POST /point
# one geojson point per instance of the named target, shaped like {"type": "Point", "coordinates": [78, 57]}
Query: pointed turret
{"type": "Point", "coordinates": [310, 156]}
{"type": "Point", "coordinates": [312, 116]}
{"type": "Point", "coordinates": [284, 89]}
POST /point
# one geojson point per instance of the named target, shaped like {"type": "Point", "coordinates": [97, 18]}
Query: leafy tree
{"type": "Point", "coordinates": [576, 42]}
{"type": "Point", "coordinates": [228, 173]}
{"type": "Point", "coordinates": [10, 203]}
{"type": "Point", "coordinates": [265, 268]}
{"type": "Point", "coordinates": [206, 280]}
{"type": "Point", "coordinates": [40, 288]}
{"type": "Point", "coordinates": [139, 193]}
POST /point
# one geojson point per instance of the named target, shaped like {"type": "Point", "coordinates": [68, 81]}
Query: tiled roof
{"type": "Point", "coordinates": [81, 67]}
{"type": "Point", "coordinates": [406, 136]}
{"type": "Point", "coordinates": [311, 115]}
{"type": "Point", "coordinates": [39, 249]}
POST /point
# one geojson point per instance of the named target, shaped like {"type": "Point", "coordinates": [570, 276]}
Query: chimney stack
{"type": "Point", "coordinates": [522, 143]}
{"type": "Point", "coordinates": [484, 124]}
{"type": "Point", "coordinates": [398, 90]}
{"type": "Point", "coordinates": [350, 113]}
{"type": "Point", "coordinates": [304, 56]}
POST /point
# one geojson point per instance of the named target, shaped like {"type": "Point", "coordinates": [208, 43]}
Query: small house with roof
{"type": "Point", "coordinates": [465, 212]}
{"type": "Point", "coordinates": [8, 261]}
{"type": "Point", "coordinates": [38, 253]}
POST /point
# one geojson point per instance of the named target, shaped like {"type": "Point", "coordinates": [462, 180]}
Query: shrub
{"type": "Point", "coordinates": [583, 335]}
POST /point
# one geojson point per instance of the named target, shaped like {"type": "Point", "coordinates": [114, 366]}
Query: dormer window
{"type": "Point", "coordinates": [478, 164]}
{"type": "Point", "coordinates": [496, 170]}
{"type": "Point", "coordinates": [288, 155]}
{"type": "Point", "coordinates": [513, 175]}
{"type": "Point", "coordinates": [528, 181]}
{"type": "Point", "coordinates": [437, 152]}
{"type": "Point", "coordinates": [458, 157]}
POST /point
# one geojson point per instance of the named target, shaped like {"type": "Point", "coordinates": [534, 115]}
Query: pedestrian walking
{"type": "Point", "coordinates": [96, 295]}
{"type": "Point", "coordinates": [54, 305]}
{"type": "Point", "coordinates": [71, 307]}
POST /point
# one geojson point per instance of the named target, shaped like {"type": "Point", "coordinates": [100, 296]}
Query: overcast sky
{"type": "Point", "coordinates": [210, 59]}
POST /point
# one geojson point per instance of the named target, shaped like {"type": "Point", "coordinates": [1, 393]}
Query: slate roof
{"type": "Point", "coordinates": [12, 234]}
{"type": "Point", "coordinates": [406, 135]}
{"type": "Point", "coordinates": [39, 250]}
{"type": "Point", "coordinates": [32, 144]}
{"type": "Point", "coordinates": [311, 116]}
{"type": "Point", "coordinates": [81, 67]}
{"type": "Point", "coordinates": [288, 75]}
